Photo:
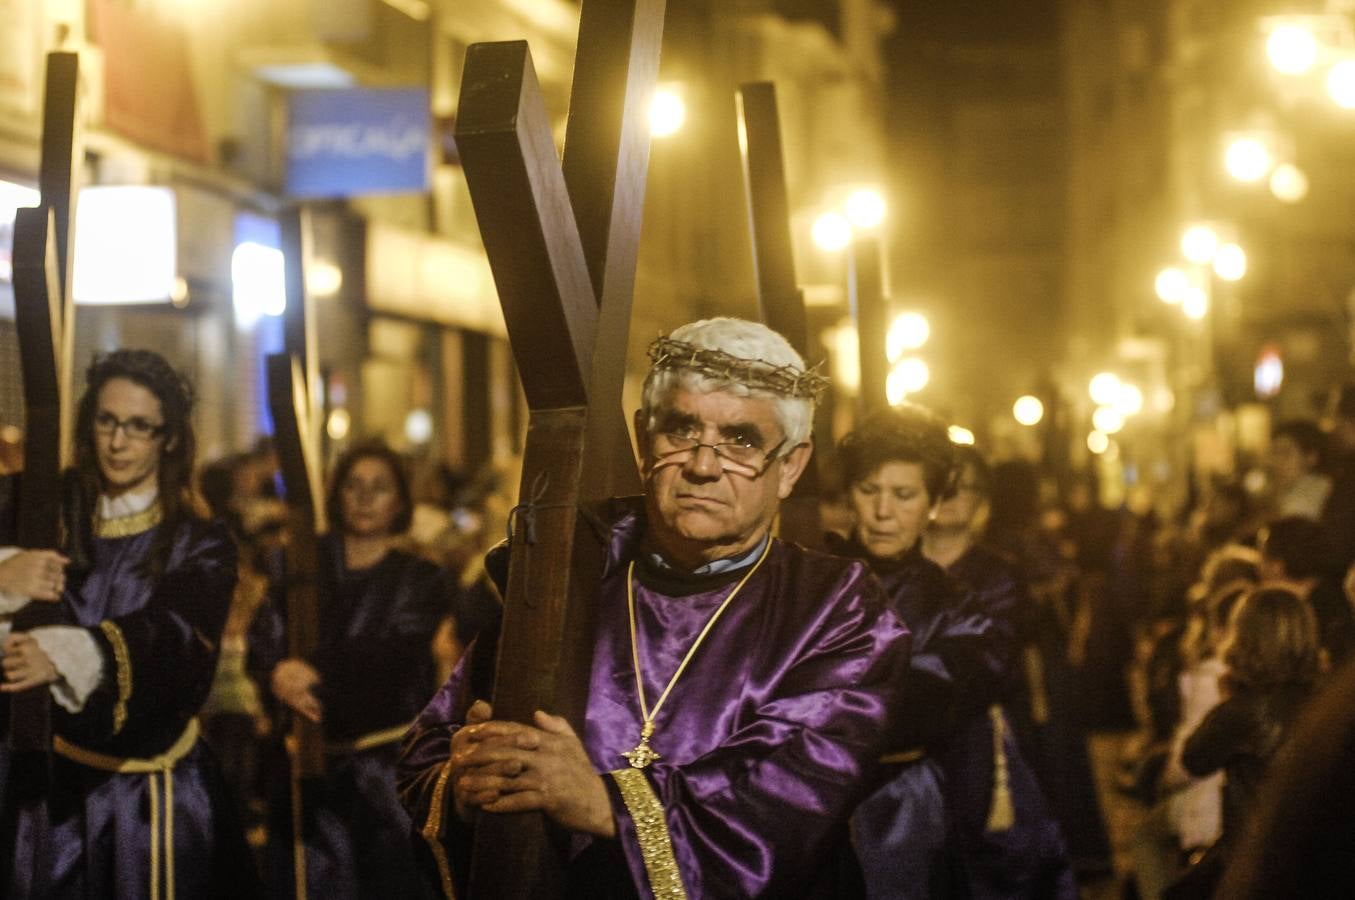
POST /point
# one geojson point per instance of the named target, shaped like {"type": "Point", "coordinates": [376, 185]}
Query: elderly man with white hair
{"type": "Point", "coordinates": [740, 685]}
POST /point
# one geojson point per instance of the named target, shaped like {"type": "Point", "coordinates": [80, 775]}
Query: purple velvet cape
{"type": "Point", "coordinates": [376, 672]}
{"type": "Point", "coordinates": [87, 832]}
{"type": "Point", "coordinates": [768, 741]}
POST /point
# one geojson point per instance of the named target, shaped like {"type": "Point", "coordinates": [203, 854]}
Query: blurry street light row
{"type": "Point", "coordinates": [864, 209]}
{"type": "Point", "coordinates": [908, 331]}
{"type": "Point", "coordinates": [1301, 45]}
{"type": "Point", "coordinates": [1189, 286]}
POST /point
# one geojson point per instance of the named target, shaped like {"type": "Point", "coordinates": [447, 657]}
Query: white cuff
{"type": "Point", "coordinates": [78, 663]}
{"type": "Point", "coordinates": [11, 602]}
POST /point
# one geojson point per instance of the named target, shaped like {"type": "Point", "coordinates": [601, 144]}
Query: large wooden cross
{"type": "Point", "coordinates": [44, 316]}
{"type": "Point", "coordinates": [780, 299]}
{"type": "Point", "coordinates": [562, 241]}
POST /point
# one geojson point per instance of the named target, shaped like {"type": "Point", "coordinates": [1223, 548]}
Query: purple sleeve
{"type": "Point", "coordinates": [421, 779]}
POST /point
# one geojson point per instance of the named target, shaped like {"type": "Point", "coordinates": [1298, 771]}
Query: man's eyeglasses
{"type": "Point", "coordinates": [739, 457]}
{"type": "Point", "coordinates": [136, 428]}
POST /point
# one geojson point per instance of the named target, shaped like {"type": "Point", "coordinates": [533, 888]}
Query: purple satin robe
{"type": "Point", "coordinates": [87, 832]}
{"type": "Point", "coordinates": [767, 742]}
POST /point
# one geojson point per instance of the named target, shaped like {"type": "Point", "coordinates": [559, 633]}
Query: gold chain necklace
{"type": "Point", "coordinates": [643, 754]}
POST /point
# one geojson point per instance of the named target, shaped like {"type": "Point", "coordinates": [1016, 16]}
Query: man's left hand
{"type": "Point", "coordinates": [553, 774]}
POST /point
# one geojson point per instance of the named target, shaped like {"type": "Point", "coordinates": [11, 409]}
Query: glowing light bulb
{"type": "Point", "coordinates": [1171, 285]}
{"type": "Point", "coordinates": [832, 232]}
{"type": "Point", "coordinates": [667, 112]}
{"type": "Point", "coordinates": [1247, 159]}
{"type": "Point", "coordinates": [1104, 388]}
{"type": "Point", "coordinates": [1028, 410]}
{"type": "Point", "coordinates": [1292, 49]}
{"type": "Point", "coordinates": [1289, 183]}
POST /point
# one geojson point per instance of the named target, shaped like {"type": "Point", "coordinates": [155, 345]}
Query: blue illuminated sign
{"type": "Point", "coordinates": [352, 141]}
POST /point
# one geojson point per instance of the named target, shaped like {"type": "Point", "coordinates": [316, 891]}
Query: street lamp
{"type": "Point", "coordinates": [1172, 284]}
{"type": "Point", "coordinates": [960, 435]}
{"type": "Point", "coordinates": [1104, 388]}
{"type": "Point", "coordinates": [1028, 410]}
{"type": "Point", "coordinates": [1199, 244]}
{"type": "Point", "coordinates": [831, 232]}
{"type": "Point", "coordinates": [1196, 303]}
{"type": "Point", "coordinates": [1292, 49]}
{"type": "Point", "coordinates": [1248, 159]}
{"type": "Point", "coordinates": [1108, 419]}
{"type": "Point", "coordinates": [1130, 400]}
{"type": "Point", "coordinates": [907, 377]}
{"type": "Point", "coordinates": [1098, 442]}
{"type": "Point", "coordinates": [1341, 84]}
{"type": "Point", "coordinates": [1288, 183]}
{"type": "Point", "coordinates": [1230, 262]}
{"type": "Point", "coordinates": [667, 112]}
{"type": "Point", "coordinates": [908, 331]}
{"type": "Point", "coordinates": [865, 208]}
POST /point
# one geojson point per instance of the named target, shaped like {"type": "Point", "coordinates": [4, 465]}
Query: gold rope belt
{"type": "Point", "coordinates": [904, 756]}
{"type": "Point", "coordinates": [162, 765]}
{"type": "Point", "coordinates": [368, 741]}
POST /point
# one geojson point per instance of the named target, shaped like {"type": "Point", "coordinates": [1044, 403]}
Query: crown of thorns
{"type": "Point", "coordinates": [788, 381]}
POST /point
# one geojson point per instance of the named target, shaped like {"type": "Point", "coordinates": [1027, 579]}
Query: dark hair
{"type": "Point", "coordinates": [1229, 563]}
{"type": "Point", "coordinates": [372, 449]}
{"type": "Point", "coordinates": [1220, 604]}
{"type": "Point", "coordinates": [905, 433]}
{"type": "Point", "coordinates": [178, 450]}
{"type": "Point", "coordinates": [966, 457]}
{"type": "Point", "coordinates": [1299, 544]}
{"type": "Point", "coordinates": [1272, 640]}
{"type": "Point", "coordinates": [1305, 434]}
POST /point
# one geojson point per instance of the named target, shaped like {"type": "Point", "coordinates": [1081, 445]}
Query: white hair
{"type": "Point", "coordinates": [745, 340]}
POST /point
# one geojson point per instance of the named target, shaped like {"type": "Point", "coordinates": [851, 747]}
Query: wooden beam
{"type": "Point", "coordinates": [866, 293]}
{"type": "Point", "coordinates": [299, 334]}
{"type": "Point", "coordinates": [780, 299]}
{"type": "Point", "coordinates": [37, 317]}
{"type": "Point", "coordinates": [606, 159]}
{"type": "Point", "coordinates": [527, 224]}
{"type": "Point", "coordinates": [58, 184]}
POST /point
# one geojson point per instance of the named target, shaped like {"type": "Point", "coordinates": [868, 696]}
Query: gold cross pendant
{"type": "Point", "coordinates": [643, 754]}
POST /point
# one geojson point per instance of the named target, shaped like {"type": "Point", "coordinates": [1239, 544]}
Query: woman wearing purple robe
{"type": "Point", "coordinates": [134, 806]}
{"type": "Point", "coordinates": [896, 465]}
{"type": "Point", "coordinates": [1010, 845]}
{"type": "Point", "coordinates": [739, 685]}
{"type": "Point", "coordinates": [374, 670]}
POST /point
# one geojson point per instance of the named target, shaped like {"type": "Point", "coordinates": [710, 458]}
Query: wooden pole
{"type": "Point", "coordinates": [779, 296]}
{"type": "Point", "coordinates": [865, 280]}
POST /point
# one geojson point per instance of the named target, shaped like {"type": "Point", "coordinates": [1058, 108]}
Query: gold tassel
{"type": "Point", "coordinates": [1001, 815]}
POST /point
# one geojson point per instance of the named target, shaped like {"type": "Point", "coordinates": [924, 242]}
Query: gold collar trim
{"type": "Point", "coordinates": [126, 526]}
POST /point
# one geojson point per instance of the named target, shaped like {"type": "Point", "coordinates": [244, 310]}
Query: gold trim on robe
{"type": "Point", "coordinates": [651, 829]}
{"type": "Point", "coordinates": [432, 830]}
{"type": "Point", "coordinates": [123, 659]}
{"type": "Point", "coordinates": [126, 526]}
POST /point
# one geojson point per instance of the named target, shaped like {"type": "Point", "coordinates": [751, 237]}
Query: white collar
{"type": "Point", "coordinates": [128, 504]}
